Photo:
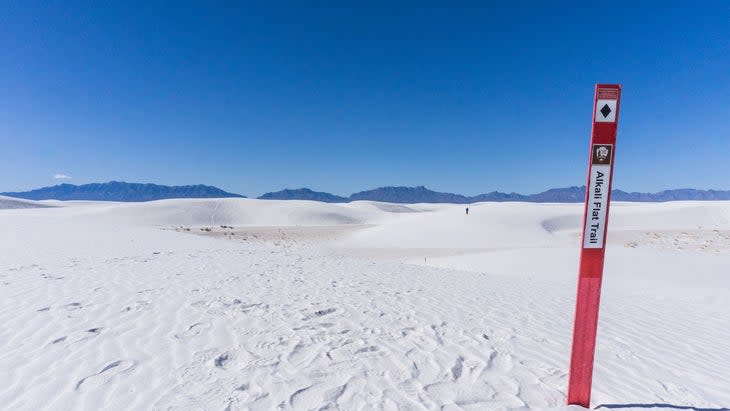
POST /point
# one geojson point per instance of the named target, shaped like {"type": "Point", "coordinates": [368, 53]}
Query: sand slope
{"type": "Point", "coordinates": [10, 203]}
{"type": "Point", "coordinates": [297, 305]}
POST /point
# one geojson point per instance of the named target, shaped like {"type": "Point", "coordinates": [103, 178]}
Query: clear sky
{"type": "Point", "coordinates": [341, 98]}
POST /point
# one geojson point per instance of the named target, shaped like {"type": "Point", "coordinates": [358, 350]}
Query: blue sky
{"type": "Point", "coordinates": [459, 97]}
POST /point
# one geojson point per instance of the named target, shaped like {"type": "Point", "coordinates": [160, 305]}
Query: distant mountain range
{"type": "Point", "coordinates": [304, 194]}
{"type": "Point", "coordinates": [418, 194]}
{"type": "Point", "coordinates": [120, 191]}
{"type": "Point", "coordinates": [422, 194]}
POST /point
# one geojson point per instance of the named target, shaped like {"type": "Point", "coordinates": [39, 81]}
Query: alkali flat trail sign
{"type": "Point", "coordinates": [606, 102]}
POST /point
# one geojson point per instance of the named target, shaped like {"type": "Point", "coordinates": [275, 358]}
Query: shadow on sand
{"type": "Point", "coordinates": [660, 406]}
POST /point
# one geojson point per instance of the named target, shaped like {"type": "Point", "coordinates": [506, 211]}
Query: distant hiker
{"type": "Point", "coordinates": [467, 211]}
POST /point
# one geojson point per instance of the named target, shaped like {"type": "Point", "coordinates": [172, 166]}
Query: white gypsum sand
{"type": "Point", "coordinates": [300, 305]}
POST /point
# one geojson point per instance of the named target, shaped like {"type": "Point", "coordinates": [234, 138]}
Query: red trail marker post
{"type": "Point", "coordinates": [593, 246]}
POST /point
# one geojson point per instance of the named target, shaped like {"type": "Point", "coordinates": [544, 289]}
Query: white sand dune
{"type": "Point", "coordinates": [10, 203]}
{"type": "Point", "coordinates": [297, 305]}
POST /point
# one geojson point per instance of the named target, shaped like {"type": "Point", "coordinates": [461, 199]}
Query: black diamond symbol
{"type": "Point", "coordinates": [606, 110]}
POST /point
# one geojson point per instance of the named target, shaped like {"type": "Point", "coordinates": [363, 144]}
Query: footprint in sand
{"type": "Point", "coordinates": [192, 331]}
{"type": "Point", "coordinates": [365, 350]}
{"type": "Point", "coordinates": [501, 362]}
{"type": "Point", "coordinates": [78, 336]}
{"type": "Point", "coordinates": [223, 360]}
{"type": "Point", "coordinates": [140, 305]}
{"type": "Point", "coordinates": [72, 306]}
{"type": "Point", "coordinates": [319, 313]}
{"type": "Point", "coordinates": [457, 369]}
{"type": "Point", "coordinates": [105, 375]}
